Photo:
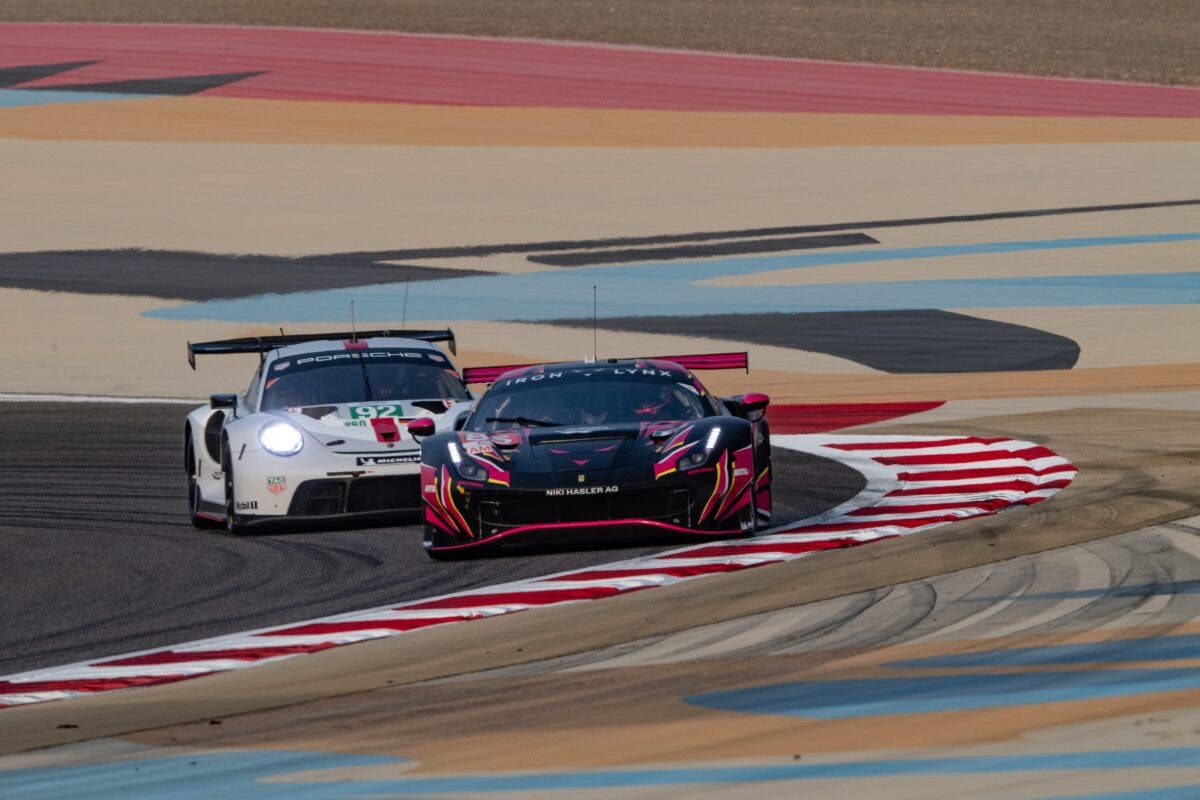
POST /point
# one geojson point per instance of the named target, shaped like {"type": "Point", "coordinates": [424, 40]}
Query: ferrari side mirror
{"type": "Point", "coordinates": [421, 427]}
{"type": "Point", "coordinates": [752, 406]}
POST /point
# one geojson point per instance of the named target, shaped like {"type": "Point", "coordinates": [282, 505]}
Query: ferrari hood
{"type": "Point", "coordinates": [543, 451]}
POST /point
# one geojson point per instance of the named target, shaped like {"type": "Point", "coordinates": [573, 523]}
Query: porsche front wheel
{"type": "Point", "coordinates": [198, 521]}
{"type": "Point", "coordinates": [233, 521]}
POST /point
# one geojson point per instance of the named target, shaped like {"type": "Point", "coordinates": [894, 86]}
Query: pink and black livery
{"type": "Point", "coordinates": [596, 450]}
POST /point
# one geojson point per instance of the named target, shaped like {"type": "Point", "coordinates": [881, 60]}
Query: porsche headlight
{"type": "Point", "coordinates": [466, 467]}
{"type": "Point", "coordinates": [281, 439]}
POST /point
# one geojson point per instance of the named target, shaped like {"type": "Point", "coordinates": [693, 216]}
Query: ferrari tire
{"type": "Point", "coordinates": [233, 521]}
{"type": "Point", "coordinates": [435, 538]}
{"type": "Point", "coordinates": [748, 519]}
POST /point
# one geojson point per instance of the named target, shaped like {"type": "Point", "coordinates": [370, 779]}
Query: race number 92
{"type": "Point", "coordinates": [373, 412]}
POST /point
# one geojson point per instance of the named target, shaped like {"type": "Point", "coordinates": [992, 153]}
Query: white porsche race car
{"type": "Point", "coordinates": [320, 434]}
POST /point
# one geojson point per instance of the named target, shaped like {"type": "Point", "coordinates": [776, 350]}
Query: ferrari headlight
{"type": "Point", "coordinates": [466, 467]}
{"type": "Point", "coordinates": [700, 456]}
{"type": "Point", "coordinates": [281, 439]}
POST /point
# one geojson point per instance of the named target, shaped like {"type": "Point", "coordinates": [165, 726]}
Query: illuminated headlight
{"type": "Point", "coordinates": [700, 456]}
{"type": "Point", "coordinates": [281, 439]}
{"type": "Point", "coordinates": [466, 467]}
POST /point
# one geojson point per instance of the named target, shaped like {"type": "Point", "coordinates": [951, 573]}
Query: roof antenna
{"type": "Point", "coordinates": [404, 313]}
{"type": "Point", "coordinates": [595, 325]}
{"type": "Point", "coordinates": [353, 324]}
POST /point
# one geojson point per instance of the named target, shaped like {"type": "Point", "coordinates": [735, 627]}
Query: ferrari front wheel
{"type": "Point", "coordinates": [748, 519]}
{"type": "Point", "coordinates": [435, 543]}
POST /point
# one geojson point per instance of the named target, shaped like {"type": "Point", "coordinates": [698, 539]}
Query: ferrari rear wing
{"type": "Point", "coordinates": [693, 362]}
{"type": "Point", "coordinates": [264, 344]}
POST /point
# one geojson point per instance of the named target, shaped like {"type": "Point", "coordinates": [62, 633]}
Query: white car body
{"type": "Point", "coordinates": [356, 460]}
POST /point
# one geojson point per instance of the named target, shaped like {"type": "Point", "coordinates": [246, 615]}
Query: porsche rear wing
{"type": "Point", "coordinates": [264, 344]}
{"type": "Point", "coordinates": [693, 362]}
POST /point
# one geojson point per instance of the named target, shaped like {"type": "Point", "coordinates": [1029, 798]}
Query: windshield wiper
{"type": "Point", "coordinates": [537, 423]}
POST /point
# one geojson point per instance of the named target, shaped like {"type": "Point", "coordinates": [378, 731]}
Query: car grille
{"type": "Point", "coordinates": [325, 497]}
{"type": "Point", "coordinates": [384, 494]}
{"type": "Point", "coordinates": [528, 508]}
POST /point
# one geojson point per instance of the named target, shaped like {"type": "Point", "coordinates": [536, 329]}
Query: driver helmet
{"type": "Point", "coordinates": [593, 409]}
{"type": "Point", "coordinates": [652, 401]}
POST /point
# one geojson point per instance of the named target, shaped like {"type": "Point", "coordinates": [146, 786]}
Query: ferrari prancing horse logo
{"type": "Point", "coordinates": [582, 477]}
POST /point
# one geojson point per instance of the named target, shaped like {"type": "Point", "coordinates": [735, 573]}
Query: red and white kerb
{"type": "Point", "coordinates": [913, 484]}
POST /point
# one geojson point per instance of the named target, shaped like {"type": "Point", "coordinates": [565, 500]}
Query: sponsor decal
{"type": "Point", "coordinates": [247, 505]}
{"type": "Point", "coordinates": [329, 357]}
{"type": "Point", "coordinates": [570, 491]}
{"type": "Point", "coordinates": [481, 449]}
{"type": "Point", "coordinates": [505, 439]}
{"type": "Point", "coordinates": [740, 471]}
{"type": "Point", "coordinates": [534, 378]}
{"type": "Point", "coordinates": [375, 411]}
{"type": "Point", "coordinates": [582, 478]}
{"type": "Point", "coordinates": [430, 489]}
{"type": "Point", "coordinates": [281, 365]}
{"type": "Point", "coordinates": [380, 461]}
{"type": "Point", "coordinates": [276, 484]}
{"type": "Point", "coordinates": [356, 423]}
{"type": "Point", "coordinates": [587, 373]}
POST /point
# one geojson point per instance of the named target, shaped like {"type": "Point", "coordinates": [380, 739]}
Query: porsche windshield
{"type": "Point", "coordinates": [339, 376]}
{"type": "Point", "coordinates": [608, 396]}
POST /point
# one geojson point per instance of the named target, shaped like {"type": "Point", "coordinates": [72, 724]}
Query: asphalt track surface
{"type": "Point", "coordinates": [100, 558]}
{"type": "Point", "coordinates": [199, 276]}
{"type": "Point", "coordinates": [902, 341]}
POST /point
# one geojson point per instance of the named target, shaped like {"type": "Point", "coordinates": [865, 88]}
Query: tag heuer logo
{"type": "Point", "coordinates": [582, 477]}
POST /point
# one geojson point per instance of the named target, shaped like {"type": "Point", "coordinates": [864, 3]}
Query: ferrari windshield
{"type": "Point", "coordinates": [606, 396]}
{"type": "Point", "coordinates": [353, 377]}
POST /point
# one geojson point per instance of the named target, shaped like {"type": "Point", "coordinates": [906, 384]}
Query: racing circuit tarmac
{"type": "Point", "coordinates": [101, 559]}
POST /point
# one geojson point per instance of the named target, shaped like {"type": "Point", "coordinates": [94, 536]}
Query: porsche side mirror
{"type": "Point", "coordinates": [421, 427]}
{"type": "Point", "coordinates": [752, 406]}
{"type": "Point", "coordinates": [223, 401]}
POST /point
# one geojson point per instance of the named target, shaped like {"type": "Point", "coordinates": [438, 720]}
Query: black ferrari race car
{"type": "Point", "coordinates": [611, 449]}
